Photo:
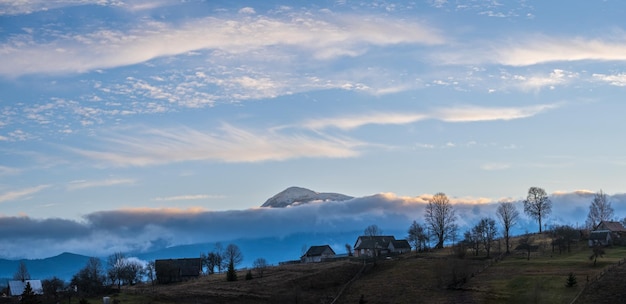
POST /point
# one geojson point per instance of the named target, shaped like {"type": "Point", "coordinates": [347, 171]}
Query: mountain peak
{"type": "Point", "coordinates": [294, 196]}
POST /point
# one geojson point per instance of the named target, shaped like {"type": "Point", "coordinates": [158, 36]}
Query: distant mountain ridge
{"type": "Point", "coordinates": [294, 196]}
{"type": "Point", "coordinates": [64, 266]}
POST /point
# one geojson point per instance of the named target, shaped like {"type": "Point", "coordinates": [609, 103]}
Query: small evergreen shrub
{"type": "Point", "coordinates": [571, 280]}
{"type": "Point", "coordinates": [231, 274]}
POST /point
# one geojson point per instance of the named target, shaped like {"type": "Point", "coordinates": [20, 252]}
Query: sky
{"type": "Point", "coordinates": [187, 113]}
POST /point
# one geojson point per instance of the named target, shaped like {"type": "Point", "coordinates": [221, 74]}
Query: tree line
{"type": "Point", "coordinates": [440, 218]}
{"type": "Point", "coordinates": [95, 278]}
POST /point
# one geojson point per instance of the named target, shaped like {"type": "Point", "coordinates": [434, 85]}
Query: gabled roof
{"type": "Point", "coordinates": [318, 250]}
{"type": "Point", "coordinates": [16, 288]}
{"type": "Point", "coordinates": [372, 242]}
{"type": "Point", "coordinates": [401, 244]}
{"type": "Point", "coordinates": [612, 226]}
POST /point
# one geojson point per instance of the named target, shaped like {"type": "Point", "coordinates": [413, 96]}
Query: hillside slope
{"type": "Point", "coordinates": [611, 288]}
{"type": "Point", "coordinates": [404, 279]}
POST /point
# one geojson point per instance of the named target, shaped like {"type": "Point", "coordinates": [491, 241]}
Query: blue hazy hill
{"type": "Point", "coordinates": [272, 249]}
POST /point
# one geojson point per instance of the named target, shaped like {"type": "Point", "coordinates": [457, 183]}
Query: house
{"type": "Point", "coordinates": [317, 254]}
{"type": "Point", "coordinates": [380, 245]}
{"type": "Point", "coordinates": [372, 246]}
{"type": "Point", "coordinates": [617, 230]}
{"type": "Point", "coordinates": [600, 237]}
{"type": "Point", "coordinates": [16, 288]}
{"type": "Point", "coordinates": [177, 270]}
{"type": "Point", "coordinates": [399, 246]}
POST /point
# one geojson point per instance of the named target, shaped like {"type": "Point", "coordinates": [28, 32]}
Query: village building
{"type": "Point", "coordinates": [399, 246]}
{"type": "Point", "coordinates": [380, 245]}
{"type": "Point", "coordinates": [16, 288]}
{"type": "Point", "coordinates": [317, 254]}
{"type": "Point", "coordinates": [177, 270]}
{"type": "Point", "coordinates": [616, 230]}
{"type": "Point", "coordinates": [600, 237]}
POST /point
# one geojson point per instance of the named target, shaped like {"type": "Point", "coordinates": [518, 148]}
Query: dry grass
{"type": "Point", "coordinates": [542, 278]}
{"type": "Point", "coordinates": [409, 278]}
{"type": "Point", "coordinates": [301, 283]}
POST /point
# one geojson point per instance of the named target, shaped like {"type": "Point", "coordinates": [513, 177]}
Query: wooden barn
{"type": "Point", "coordinates": [616, 230]}
{"type": "Point", "coordinates": [399, 246]}
{"type": "Point", "coordinates": [177, 270]}
{"type": "Point", "coordinates": [600, 237]}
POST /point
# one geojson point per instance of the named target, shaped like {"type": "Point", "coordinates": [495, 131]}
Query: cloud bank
{"type": "Point", "coordinates": [144, 229]}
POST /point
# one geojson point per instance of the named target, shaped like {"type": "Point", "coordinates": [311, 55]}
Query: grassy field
{"type": "Point", "coordinates": [410, 278]}
{"type": "Point", "coordinates": [541, 279]}
{"type": "Point", "coordinates": [300, 283]}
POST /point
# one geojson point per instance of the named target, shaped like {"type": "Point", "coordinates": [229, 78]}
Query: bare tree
{"type": "Point", "coordinates": [472, 239]}
{"type": "Point", "coordinates": [232, 255]}
{"type": "Point", "coordinates": [596, 251]}
{"type": "Point", "coordinates": [537, 204]}
{"type": "Point", "coordinates": [349, 249]}
{"type": "Point", "coordinates": [599, 210]}
{"type": "Point", "coordinates": [132, 272]}
{"type": "Point", "coordinates": [115, 268]}
{"type": "Point", "coordinates": [372, 230]}
{"type": "Point", "coordinates": [487, 228]}
{"type": "Point", "coordinates": [219, 256]}
{"type": "Point", "coordinates": [211, 261]}
{"type": "Point", "coordinates": [563, 237]}
{"type": "Point", "coordinates": [52, 286]}
{"type": "Point", "coordinates": [149, 270]}
{"type": "Point", "coordinates": [440, 218]}
{"type": "Point", "coordinates": [418, 237]}
{"type": "Point", "coordinates": [508, 215]}
{"type": "Point", "coordinates": [90, 279]}
{"type": "Point", "coordinates": [260, 265]}
{"type": "Point", "coordinates": [22, 273]}
{"type": "Point", "coordinates": [525, 242]}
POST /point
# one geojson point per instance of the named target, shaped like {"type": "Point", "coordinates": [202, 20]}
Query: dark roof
{"type": "Point", "coordinates": [187, 267]}
{"type": "Point", "coordinates": [401, 244]}
{"type": "Point", "coordinates": [599, 234]}
{"type": "Point", "coordinates": [318, 250]}
{"type": "Point", "coordinates": [613, 226]}
{"type": "Point", "coordinates": [371, 242]}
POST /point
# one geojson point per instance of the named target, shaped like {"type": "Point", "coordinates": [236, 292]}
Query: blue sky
{"type": "Point", "coordinates": [190, 107]}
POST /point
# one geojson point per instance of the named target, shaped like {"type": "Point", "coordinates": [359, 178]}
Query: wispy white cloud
{"type": "Point", "coordinates": [9, 7]}
{"type": "Point", "coordinates": [535, 82]}
{"type": "Point", "coordinates": [614, 79]}
{"type": "Point", "coordinates": [451, 114]}
{"type": "Point", "coordinates": [495, 166]}
{"type": "Point", "coordinates": [76, 185]}
{"type": "Point", "coordinates": [538, 50]}
{"type": "Point", "coordinates": [9, 170]}
{"type": "Point", "coordinates": [352, 122]}
{"type": "Point", "coordinates": [324, 37]}
{"type": "Point", "coordinates": [21, 193]}
{"type": "Point", "coordinates": [477, 113]}
{"type": "Point", "coordinates": [231, 144]}
{"type": "Point", "coordinates": [188, 197]}
{"type": "Point", "coordinates": [247, 10]}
